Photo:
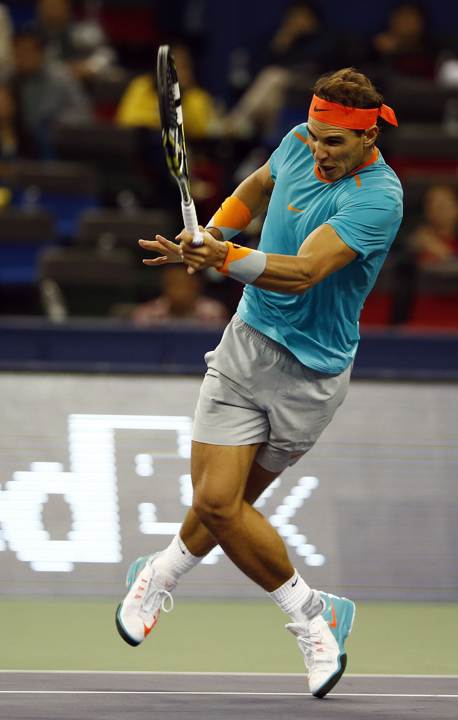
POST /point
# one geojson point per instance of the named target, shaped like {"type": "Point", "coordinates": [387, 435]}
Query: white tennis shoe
{"type": "Point", "coordinates": [322, 642]}
{"type": "Point", "coordinates": [149, 593]}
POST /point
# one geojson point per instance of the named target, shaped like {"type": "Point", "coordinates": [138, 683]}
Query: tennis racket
{"type": "Point", "coordinates": [173, 138]}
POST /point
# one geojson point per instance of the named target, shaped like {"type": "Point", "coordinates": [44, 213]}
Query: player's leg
{"type": "Point", "coordinates": [194, 541]}
{"type": "Point", "coordinates": [222, 500]}
{"type": "Point", "coordinates": [152, 578]}
{"type": "Point", "coordinates": [321, 622]}
{"type": "Point", "coordinates": [305, 404]}
{"type": "Point", "coordinates": [197, 538]}
{"type": "Point", "coordinates": [219, 476]}
{"type": "Point", "coordinates": [227, 410]}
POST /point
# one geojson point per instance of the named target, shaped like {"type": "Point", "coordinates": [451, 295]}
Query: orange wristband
{"type": "Point", "coordinates": [231, 218]}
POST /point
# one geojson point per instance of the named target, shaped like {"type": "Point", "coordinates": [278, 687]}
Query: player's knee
{"type": "Point", "coordinates": [213, 510]}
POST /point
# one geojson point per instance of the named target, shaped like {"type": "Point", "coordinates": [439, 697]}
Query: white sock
{"type": "Point", "coordinates": [175, 560]}
{"type": "Point", "coordinates": [297, 599]}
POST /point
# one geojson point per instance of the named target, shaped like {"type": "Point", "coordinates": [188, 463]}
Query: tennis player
{"type": "Point", "coordinates": [283, 365]}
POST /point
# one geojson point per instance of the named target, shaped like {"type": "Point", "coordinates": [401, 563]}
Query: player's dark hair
{"type": "Point", "coordinates": [348, 87]}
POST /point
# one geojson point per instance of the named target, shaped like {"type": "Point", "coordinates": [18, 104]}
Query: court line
{"type": "Point", "coordinates": [221, 693]}
{"type": "Point", "coordinates": [219, 674]}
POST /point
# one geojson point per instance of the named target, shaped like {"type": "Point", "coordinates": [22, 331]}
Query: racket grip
{"type": "Point", "coordinates": [191, 224]}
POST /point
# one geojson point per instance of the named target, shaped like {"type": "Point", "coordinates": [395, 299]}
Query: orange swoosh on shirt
{"type": "Point", "coordinates": [294, 209]}
{"type": "Point", "coordinates": [301, 138]}
{"type": "Point", "coordinates": [333, 622]}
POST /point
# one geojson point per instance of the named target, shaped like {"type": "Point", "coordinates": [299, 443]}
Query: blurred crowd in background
{"type": "Point", "coordinates": [82, 172]}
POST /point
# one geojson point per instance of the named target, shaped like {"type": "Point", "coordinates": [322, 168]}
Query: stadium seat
{"type": "Point", "coordinates": [22, 235]}
{"type": "Point", "coordinates": [106, 91]}
{"type": "Point", "coordinates": [124, 158]}
{"type": "Point", "coordinates": [133, 29]}
{"type": "Point", "coordinates": [80, 282]}
{"type": "Point", "coordinates": [96, 142]}
{"type": "Point", "coordinates": [65, 190]}
{"type": "Point", "coordinates": [415, 148]}
{"type": "Point", "coordinates": [418, 100]}
{"type": "Point", "coordinates": [123, 229]}
{"type": "Point", "coordinates": [106, 229]}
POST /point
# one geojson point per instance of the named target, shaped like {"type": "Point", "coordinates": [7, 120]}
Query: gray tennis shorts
{"type": "Point", "coordinates": [256, 391]}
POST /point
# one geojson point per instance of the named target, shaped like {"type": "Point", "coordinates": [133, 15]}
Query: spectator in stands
{"type": "Point", "coordinates": [299, 50]}
{"type": "Point", "coordinates": [6, 42]}
{"type": "Point", "coordinates": [406, 47]}
{"type": "Point", "coordinates": [430, 247]}
{"type": "Point", "coordinates": [181, 299]}
{"type": "Point", "coordinates": [435, 241]}
{"type": "Point", "coordinates": [12, 136]}
{"type": "Point", "coordinates": [45, 95]}
{"type": "Point", "coordinates": [139, 105]}
{"type": "Point", "coordinates": [81, 47]}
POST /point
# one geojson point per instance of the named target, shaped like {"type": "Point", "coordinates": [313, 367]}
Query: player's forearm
{"type": "Point", "coordinates": [280, 273]}
{"type": "Point", "coordinates": [286, 274]}
{"type": "Point", "coordinates": [248, 200]}
{"type": "Point", "coordinates": [253, 193]}
{"type": "Point", "coordinates": [321, 253]}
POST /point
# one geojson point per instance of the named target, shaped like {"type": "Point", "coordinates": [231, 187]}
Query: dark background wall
{"type": "Point", "coordinates": [251, 24]}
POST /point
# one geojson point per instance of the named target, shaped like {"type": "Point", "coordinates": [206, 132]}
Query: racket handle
{"type": "Point", "coordinates": [191, 224]}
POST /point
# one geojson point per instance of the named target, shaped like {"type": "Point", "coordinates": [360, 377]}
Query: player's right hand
{"type": "Point", "coordinates": [211, 253]}
{"type": "Point", "coordinates": [170, 252]}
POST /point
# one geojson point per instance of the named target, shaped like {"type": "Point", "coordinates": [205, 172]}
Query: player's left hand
{"type": "Point", "coordinates": [169, 252]}
{"type": "Point", "coordinates": [211, 254]}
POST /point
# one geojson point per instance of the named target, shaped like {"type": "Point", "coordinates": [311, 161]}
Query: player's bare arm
{"type": "Point", "coordinates": [321, 253]}
{"type": "Point", "coordinates": [254, 192]}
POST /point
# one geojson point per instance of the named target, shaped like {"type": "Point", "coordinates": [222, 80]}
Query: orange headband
{"type": "Point", "coordinates": [349, 117]}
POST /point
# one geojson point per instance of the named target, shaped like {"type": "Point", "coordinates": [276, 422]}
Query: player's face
{"type": "Point", "coordinates": [337, 151]}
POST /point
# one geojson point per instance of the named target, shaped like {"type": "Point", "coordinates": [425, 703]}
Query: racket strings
{"type": "Point", "coordinates": [171, 99]}
{"type": "Point", "coordinates": [173, 138]}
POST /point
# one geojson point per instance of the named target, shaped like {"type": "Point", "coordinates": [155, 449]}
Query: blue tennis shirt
{"type": "Point", "coordinates": [320, 327]}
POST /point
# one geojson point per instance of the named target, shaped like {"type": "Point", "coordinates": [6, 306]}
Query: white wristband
{"type": "Point", "coordinates": [244, 264]}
